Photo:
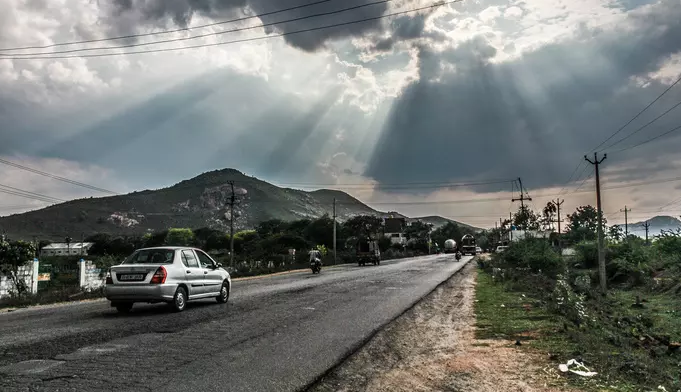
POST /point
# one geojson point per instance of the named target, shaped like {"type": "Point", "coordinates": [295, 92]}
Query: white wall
{"type": "Point", "coordinates": [28, 273]}
{"type": "Point", "coordinates": [91, 277]}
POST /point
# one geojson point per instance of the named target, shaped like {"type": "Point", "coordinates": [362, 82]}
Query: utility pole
{"type": "Point", "coordinates": [601, 251]}
{"type": "Point", "coordinates": [522, 197]}
{"type": "Point", "coordinates": [510, 226]}
{"type": "Point", "coordinates": [334, 231]}
{"type": "Point", "coordinates": [626, 222]}
{"type": "Point", "coordinates": [232, 198]}
{"type": "Point", "coordinates": [646, 225]}
{"type": "Point", "coordinates": [559, 203]}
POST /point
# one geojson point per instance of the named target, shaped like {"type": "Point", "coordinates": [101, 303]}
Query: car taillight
{"type": "Point", "coordinates": [159, 276]}
{"type": "Point", "coordinates": [109, 280]}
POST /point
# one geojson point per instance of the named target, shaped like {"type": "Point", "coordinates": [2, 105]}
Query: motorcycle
{"type": "Point", "coordinates": [458, 256]}
{"type": "Point", "coordinates": [316, 266]}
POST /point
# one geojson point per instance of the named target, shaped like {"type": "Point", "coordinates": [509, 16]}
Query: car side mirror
{"type": "Point", "coordinates": [218, 265]}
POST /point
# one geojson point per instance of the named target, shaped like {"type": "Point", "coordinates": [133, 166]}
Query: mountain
{"type": "Point", "coordinates": [657, 224]}
{"type": "Point", "coordinates": [202, 201]}
{"type": "Point", "coordinates": [438, 221]}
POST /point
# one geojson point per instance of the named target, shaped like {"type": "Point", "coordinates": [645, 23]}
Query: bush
{"type": "Point", "coordinates": [529, 256]}
{"type": "Point", "coordinates": [587, 254]}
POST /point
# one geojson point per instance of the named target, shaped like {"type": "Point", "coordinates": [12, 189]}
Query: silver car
{"type": "Point", "coordinates": [168, 274]}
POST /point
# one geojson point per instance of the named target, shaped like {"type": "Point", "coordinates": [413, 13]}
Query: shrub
{"type": "Point", "coordinates": [587, 254]}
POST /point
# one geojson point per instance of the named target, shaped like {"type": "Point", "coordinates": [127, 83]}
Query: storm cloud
{"type": "Point", "coordinates": [132, 16]}
{"type": "Point", "coordinates": [470, 117]}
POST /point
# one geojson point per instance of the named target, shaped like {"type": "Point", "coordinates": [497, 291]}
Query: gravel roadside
{"type": "Point", "coordinates": [433, 347]}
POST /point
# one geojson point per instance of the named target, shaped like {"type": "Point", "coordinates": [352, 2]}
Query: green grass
{"type": "Point", "coordinates": [501, 314]}
{"type": "Point", "coordinates": [610, 344]}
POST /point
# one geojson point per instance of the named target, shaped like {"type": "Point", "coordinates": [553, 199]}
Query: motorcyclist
{"type": "Point", "coordinates": [315, 257]}
{"type": "Point", "coordinates": [458, 254]}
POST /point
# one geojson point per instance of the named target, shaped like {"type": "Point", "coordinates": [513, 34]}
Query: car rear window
{"type": "Point", "coordinates": [151, 256]}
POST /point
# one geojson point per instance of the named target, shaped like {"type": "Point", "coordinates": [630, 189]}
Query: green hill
{"type": "Point", "coordinates": [198, 202]}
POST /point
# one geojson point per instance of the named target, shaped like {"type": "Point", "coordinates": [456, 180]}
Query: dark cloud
{"type": "Point", "coordinates": [406, 28]}
{"type": "Point", "coordinates": [216, 120]}
{"type": "Point", "coordinates": [532, 117]}
{"type": "Point", "coordinates": [129, 16]}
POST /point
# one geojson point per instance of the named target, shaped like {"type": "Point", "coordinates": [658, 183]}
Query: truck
{"type": "Point", "coordinates": [368, 252]}
{"type": "Point", "coordinates": [450, 246]}
{"type": "Point", "coordinates": [468, 245]}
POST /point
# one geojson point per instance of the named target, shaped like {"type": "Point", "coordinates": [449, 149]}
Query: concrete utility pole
{"type": "Point", "coordinates": [334, 231]}
{"type": "Point", "coordinates": [522, 197]}
{"type": "Point", "coordinates": [646, 225]}
{"type": "Point", "coordinates": [601, 250]}
{"type": "Point", "coordinates": [559, 203]}
{"type": "Point", "coordinates": [232, 199]}
{"type": "Point", "coordinates": [626, 221]}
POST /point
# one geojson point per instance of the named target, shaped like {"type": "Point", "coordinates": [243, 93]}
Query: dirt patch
{"type": "Point", "coordinates": [433, 348]}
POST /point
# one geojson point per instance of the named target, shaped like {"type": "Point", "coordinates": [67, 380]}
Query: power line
{"type": "Point", "coordinates": [139, 44]}
{"type": "Point", "coordinates": [29, 195]}
{"type": "Point", "coordinates": [439, 4]}
{"type": "Point", "coordinates": [638, 114]}
{"type": "Point", "coordinates": [650, 140]}
{"type": "Point", "coordinates": [380, 186]}
{"type": "Point", "coordinates": [643, 127]}
{"type": "Point", "coordinates": [581, 162]}
{"type": "Point", "coordinates": [167, 31]}
{"type": "Point", "coordinates": [42, 173]}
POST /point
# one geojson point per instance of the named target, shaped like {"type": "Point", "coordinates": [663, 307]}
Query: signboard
{"type": "Point", "coordinates": [44, 277]}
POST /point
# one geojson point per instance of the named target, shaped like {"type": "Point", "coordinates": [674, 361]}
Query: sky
{"type": "Point", "coordinates": [430, 112]}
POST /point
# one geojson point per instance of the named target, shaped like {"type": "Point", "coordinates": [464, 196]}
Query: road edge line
{"type": "Point", "coordinates": [354, 349]}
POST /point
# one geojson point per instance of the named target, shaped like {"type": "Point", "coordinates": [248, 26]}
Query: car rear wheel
{"type": "Point", "coordinates": [124, 307]}
{"type": "Point", "coordinates": [179, 300]}
{"type": "Point", "coordinates": [223, 297]}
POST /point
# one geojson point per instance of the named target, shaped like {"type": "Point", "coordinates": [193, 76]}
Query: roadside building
{"type": "Point", "coordinates": [64, 249]}
{"type": "Point", "coordinates": [393, 228]}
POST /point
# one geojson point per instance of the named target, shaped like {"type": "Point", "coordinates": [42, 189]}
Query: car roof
{"type": "Point", "coordinates": [168, 247]}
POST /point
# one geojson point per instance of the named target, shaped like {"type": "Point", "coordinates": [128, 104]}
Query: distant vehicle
{"type": "Point", "coordinates": [316, 261]}
{"type": "Point", "coordinates": [501, 248]}
{"type": "Point", "coordinates": [478, 249]}
{"type": "Point", "coordinates": [368, 252]}
{"type": "Point", "coordinates": [174, 275]}
{"type": "Point", "coordinates": [468, 245]}
{"type": "Point", "coordinates": [450, 246]}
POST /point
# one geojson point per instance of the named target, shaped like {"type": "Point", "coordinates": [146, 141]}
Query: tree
{"type": "Point", "coordinates": [180, 237]}
{"type": "Point", "coordinates": [526, 219]}
{"type": "Point", "coordinates": [319, 231]}
{"type": "Point", "coordinates": [583, 224]}
{"type": "Point", "coordinates": [14, 254]}
{"type": "Point", "coordinates": [362, 226]}
{"type": "Point", "coordinates": [548, 214]}
{"type": "Point", "coordinates": [418, 231]}
{"type": "Point", "coordinates": [615, 233]}
{"type": "Point", "coordinates": [271, 227]}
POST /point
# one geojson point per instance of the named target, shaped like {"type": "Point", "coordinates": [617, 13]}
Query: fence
{"type": "Point", "coordinates": [82, 275]}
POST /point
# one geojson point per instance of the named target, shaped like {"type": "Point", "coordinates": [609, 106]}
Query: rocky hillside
{"type": "Point", "coordinates": [199, 202]}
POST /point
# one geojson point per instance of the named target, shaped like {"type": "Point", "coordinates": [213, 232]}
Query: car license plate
{"type": "Point", "coordinates": [132, 277]}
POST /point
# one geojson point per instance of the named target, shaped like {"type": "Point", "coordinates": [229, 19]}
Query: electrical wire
{"type": "Point", "coordinates": [167, 31]}
{"type": "Point", "coordinates": [181, 39]}
{"type": "Point", "coordinates": [643, 127]}
{"type": "Point", "coordinates": [63, 179]}
{"type": "Point", "coordinates": [649, 140]}
{"type": "Point", "coordinates": [439, 4]}
{"type": "Point", "coordinates": [638, 114]}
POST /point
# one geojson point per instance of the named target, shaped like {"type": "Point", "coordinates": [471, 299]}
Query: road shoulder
{"type": "Point", "coordinates": [433, 347]}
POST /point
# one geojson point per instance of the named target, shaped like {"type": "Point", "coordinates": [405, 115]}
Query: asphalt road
{"type": "Point", "coordinates": [278, 333]}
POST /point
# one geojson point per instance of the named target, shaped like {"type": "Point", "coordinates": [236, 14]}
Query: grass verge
{"type": "Point", "coordinates": [628, 346]}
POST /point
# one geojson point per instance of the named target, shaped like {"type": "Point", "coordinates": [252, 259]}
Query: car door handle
{"type": "Point", "coordinates": [189, 272]}
{"type": "Point", "coordinates": [205, 272]}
